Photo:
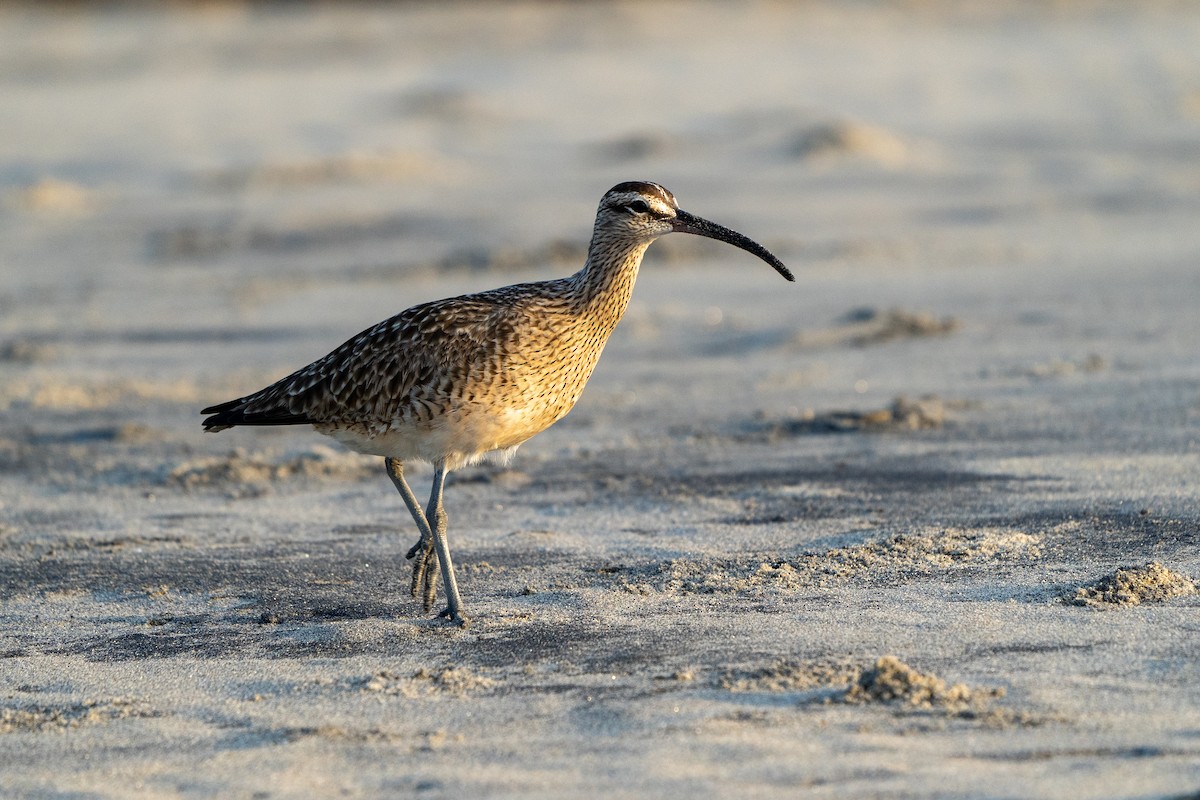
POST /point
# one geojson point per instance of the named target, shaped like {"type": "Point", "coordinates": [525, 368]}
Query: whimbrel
{"type": "Point", "coordinates": [451, 381]}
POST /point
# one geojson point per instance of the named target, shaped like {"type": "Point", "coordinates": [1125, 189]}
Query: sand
{"type": "Point", "coordinates": [878, 533]}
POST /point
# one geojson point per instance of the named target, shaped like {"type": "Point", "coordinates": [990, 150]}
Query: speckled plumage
{"type": "Point", "coordinates": [450, 381]}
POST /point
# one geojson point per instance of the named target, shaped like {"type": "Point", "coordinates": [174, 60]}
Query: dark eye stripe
{"type": "Point", "coordinates": [638, 206]}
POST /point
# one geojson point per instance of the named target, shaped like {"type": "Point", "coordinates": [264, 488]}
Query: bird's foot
{"type": "Point", "coordinates": [455, 616]}
{"type": "Point", "coordinates": [425, 571]}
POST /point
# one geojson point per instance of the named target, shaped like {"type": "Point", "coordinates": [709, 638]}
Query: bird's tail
{"type": "Point", "coordinates": [243, 412]}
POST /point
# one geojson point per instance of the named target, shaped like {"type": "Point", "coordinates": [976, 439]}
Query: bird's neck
{"type": "Point", "coordinates": [604, 285]}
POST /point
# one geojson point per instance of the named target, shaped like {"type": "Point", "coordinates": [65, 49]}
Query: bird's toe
{"type": "Point", "coordinates": [455, 616]}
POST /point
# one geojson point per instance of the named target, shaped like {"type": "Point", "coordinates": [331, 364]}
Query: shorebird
{"type": "Point", "coordinates": [451, 381]}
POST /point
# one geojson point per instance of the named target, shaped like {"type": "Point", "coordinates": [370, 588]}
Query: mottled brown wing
{"type": "Point", "coordinates": [382, 373]}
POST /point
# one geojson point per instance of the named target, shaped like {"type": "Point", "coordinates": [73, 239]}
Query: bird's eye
{"type": "Point", "coordinates": [638, 206]}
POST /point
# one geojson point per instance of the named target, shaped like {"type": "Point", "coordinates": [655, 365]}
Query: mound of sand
{"type": "Point", "coordinates": [26, 351]}
{"type": "Point", "coordinates": [924, 413]}
{"type": "Point", "coordinates": [909, 554]}
{"type": "Point", "coordinates": [351, 167]}
{"type": "Point", "coordinates": [888, 681]}
{"type": "Point", "coordinates": [89, 712]}
{"type": "Point", "coordinates": [1131, 586]}
{"type": "Point", "coordinates": [637, 146]}
{"type": "Point", "coordinates": [251, 474]}
{"type": "Point", "coordinates": [869, 326]}
{"type": "Point", "coordinates": [74, 394]}
{"type": "Point", "coordinates": [862, 327]}
{"type": "Point", "coordinates": [928, 412]}
{"type": "Point", "coordinates": [892, 681]}
{"type": "Point", "coordinates": [792, 676]}
{"type": "Point", "coordinates": [555, 252]}
{"type": "Point", "coordinates": [850, 140]}
{"type": "Point", "coordinates": [924, 552]}
{"type": "Point", "coordinates": [51, 195]}
{"type": "Point", "coordinates": [454, 681]}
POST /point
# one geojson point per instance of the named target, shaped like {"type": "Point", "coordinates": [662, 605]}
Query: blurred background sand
{"type": "Point", "coordinates": [922, 524]}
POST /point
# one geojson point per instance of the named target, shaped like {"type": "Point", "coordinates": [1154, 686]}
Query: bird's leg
{"type": "Point", "coordinates": [437, 515]}
{"type": "Point", "coordinates": [423, 578]}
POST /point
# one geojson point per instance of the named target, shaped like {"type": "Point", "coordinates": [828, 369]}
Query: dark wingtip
{"type": "Point", "coordinates": [222, 415]}
{"type": "Point", "coordinates": [227, 415]}
{"type": "Point", "coordinates": [219, 422]}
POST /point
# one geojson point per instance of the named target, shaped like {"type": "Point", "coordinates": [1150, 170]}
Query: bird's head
{"type": "Point", "coordinates": [640, 212]}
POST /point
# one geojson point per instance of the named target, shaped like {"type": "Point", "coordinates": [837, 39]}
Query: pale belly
{"type": "Point", "coordinates": [459, 435]}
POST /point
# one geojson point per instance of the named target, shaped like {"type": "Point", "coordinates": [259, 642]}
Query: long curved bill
{"type": "Point", "coordinates": [690, 223]}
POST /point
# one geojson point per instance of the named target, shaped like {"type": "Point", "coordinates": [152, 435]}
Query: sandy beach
{"type": "Point", "coordinates": [923, 524]}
